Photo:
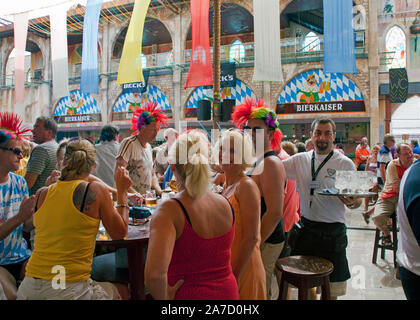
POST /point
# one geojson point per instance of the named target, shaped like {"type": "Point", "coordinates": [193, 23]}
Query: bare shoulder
{"type": "Point", "coordinates": [273, 165]}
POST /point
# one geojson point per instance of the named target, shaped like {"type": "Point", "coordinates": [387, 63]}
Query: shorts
{"type": "Point", "coordinates": [15, 269]}
{"type": "Point", "coordinates": [41, 289]}
{"type": "Point", "coordinates": [384, 208]}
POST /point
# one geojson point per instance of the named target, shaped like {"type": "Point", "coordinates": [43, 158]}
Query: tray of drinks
{"type": "Point", "coordinates": [364, 194]}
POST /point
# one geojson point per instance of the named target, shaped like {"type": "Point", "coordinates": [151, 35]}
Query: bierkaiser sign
{"type": "Point", "coordinates": [321, 107]}
{"type": "Point", "coordinates": [317, 92]}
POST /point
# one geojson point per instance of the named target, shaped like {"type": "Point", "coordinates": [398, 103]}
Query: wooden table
{"type": "Point", "coordinates": [135, 242]}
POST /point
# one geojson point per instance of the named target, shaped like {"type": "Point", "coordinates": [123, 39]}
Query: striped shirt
{"type": "Point", "coordinates": [42, 162]}
{"type": "Point", "coordinates": [13, 249]}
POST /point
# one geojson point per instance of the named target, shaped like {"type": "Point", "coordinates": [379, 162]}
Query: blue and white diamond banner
{"type": "Point", "coordinates": [317, 92]}
{"type": "Point", "coordinates": [77, 107]}
{"type": "Point", "coordinates": [239, 93]}
{"type": "Point", "coordinates": [126, 103]}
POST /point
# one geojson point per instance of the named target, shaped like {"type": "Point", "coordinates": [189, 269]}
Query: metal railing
{"type": "Point", "coordinates": [292, 50]}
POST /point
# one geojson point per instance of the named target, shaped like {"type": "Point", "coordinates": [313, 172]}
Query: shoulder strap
{"type": "Point", "coordinates": [267, 154]}
{"type": "Point", "coordinates": [184, 210]}
{"type": "Point", "coordinates": [231, 208]}
{"type": "Point", "coordinates": [84, 198]}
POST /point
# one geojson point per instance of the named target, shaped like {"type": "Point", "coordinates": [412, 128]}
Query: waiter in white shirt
{"type": "Point", "coordinates": [324, 232]}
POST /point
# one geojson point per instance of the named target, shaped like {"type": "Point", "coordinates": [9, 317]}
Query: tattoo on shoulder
{"type": "Point", "coordinates": [79, 194]}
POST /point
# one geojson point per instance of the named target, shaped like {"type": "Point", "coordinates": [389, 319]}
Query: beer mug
{"type": "Point", "coordinates": [151, 200]}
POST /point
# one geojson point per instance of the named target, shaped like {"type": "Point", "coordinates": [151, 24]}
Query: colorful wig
{"type": "Point", "coordinates": [252, 109]}
{"type": "Point", "coordinates": [146, 115]}
{"type": "Point", "coordinates": [11, 128]}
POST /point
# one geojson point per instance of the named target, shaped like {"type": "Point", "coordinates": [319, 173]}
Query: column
{"type": "Point", "coordinates": [373, 73]}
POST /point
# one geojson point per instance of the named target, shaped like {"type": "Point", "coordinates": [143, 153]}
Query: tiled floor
{"type": "Point", "coordinates": [368, 281]}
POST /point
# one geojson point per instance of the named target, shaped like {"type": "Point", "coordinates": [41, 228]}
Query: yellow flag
{"type": "Point", "coordinates": [130, 69]}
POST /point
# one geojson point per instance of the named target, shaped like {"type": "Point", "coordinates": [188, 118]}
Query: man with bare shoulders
{"type": "Point", "coordinates": [270, 177]}
{"type": "Point", "coordinates": [324, 231]}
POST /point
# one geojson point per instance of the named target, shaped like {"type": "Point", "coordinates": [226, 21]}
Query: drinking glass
{"type": "Point", "coordinates": [339, 181]}
{"type": "Point", "coordinates": [151, 200]}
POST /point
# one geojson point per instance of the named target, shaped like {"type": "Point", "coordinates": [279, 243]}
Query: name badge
{"type": "Point", "coordinates": [314, 185]}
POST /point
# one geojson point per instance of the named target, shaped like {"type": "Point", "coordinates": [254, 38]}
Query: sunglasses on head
{"type": "Point", "coordinates": [16, 151]}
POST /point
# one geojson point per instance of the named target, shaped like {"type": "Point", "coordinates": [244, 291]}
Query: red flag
{"type": "Point", "coordinates": [201, 69]}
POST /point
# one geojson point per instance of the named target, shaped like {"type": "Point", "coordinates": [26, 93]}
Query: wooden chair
{"type": "Point", "coordinates": [378, 245]}
{"type": "Point", "coordinates": [304, 272]}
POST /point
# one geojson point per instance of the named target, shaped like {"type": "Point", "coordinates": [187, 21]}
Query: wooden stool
{"type": "Point", "coordinates": [304, 272]}
{"type": "Point", "coordinates": [378, 245]}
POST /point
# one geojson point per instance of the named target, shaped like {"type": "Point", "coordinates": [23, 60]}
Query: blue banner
{"type": "Point", "coordinates": [137, 87]}
{"type": "Point", "coordinates": [339, 43]}
{"type": "Point", "coordinates": [89, 82]}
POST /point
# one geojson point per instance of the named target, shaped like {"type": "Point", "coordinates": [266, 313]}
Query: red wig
{"type": "Point", "coordinates": [252, 109]}
{"type": "Point", "coordinates": [146, 115]}
{"type": "Point", "coordinates": [11, 128]}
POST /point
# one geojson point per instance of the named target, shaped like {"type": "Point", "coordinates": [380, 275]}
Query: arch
{"type": "Point", "coordinates": [34, 62]}
{"type": "Point", "coordinates": [396, 48]}
{"type": "Point", "coordinates": [239, 93]}
{"type": "Point", "coordinates": [237, 51]}
{"type": "Point", "coordinates": [316, 87]}
{"type": "Point", "coordinates": [230, 24]}
{"type": "Point", "coordinates": [152, 26]}
{"type": "Point", "coordinates": [76, 103]}
{"type": "Point", "coordinates": [128, 102]}
{"type": "Point", "coordinates": [311, 42]}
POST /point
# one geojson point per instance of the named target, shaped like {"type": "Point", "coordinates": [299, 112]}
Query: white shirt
{"type": "Point", "coordinates": [106, 157]}
{"type": "Point", "coordinates": [408, 253]}
{"type": "Point", "coordinates": [323, 209]}
{"type": "Point", "coordinates": [139, 163]}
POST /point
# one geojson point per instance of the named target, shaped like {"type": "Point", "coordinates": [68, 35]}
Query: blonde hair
{"type": "Point", "coordinates": [26, 149]}
{"type": "Point", "coordinates": [289, 147]}
{"type": "Point", "coordinates": [242, 144]}
{"type": "Point", "coordinates": [79, 158]}
{"type": "Point", "coordinates": [190, 155]}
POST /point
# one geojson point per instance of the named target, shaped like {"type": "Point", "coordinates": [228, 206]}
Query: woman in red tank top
{"type": "Point", "coordinates": [189, 250]}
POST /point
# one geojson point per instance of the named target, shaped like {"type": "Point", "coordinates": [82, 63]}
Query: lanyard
{"type": "Point", "coordinates": [315, 173]}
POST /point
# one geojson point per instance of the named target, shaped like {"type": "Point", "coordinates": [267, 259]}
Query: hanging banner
{"type": "Point", "coordinates": [89, 82]}
{"type": "Point", "coordinates": [398, 85]}
{"type": "Point", "coordinates": [227, 75]}
{"type": "Point", "coordinates": [130, 69]}
{"type": "Point", "coordinates": [137, 87]}
{"type": "Point", "coordinates": [200, 72]}
{"type": "Point", "coordinates": [59, 56]}
{"type": "Point", "coordinates": [339, 46]}
{"type": "Point", "coordinates": [267, 53]}
{"type": "Point", "coordinates": [20, 34]}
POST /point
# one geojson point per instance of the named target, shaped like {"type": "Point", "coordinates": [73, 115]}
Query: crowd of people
{"type": "Point", "coordinates": [203, 244]}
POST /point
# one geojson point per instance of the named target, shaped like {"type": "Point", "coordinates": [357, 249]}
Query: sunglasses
{"type": "Point", "coordinates": [16, 151]}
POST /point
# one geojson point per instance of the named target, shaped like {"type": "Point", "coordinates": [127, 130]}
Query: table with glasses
{"type": "Point", "coordinates": [135, 242]}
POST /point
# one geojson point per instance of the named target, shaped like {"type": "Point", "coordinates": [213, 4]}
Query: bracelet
{"type": "Point", "coordinates": [122, 205]}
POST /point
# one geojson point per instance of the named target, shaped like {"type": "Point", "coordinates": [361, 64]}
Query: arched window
{"type": "Point", "coordinates": [237, 52]}
{"type": "Point", "coordinates": [395, 48]}
{"type": "Point", "coordinates": [311, 42]}
{"type": "Point", "coordinates": [143, 61]}
{"type": "Point", "coordinates": [170, 58]}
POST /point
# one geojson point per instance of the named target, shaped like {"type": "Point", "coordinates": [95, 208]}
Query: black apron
{"type": "Point", "coordinates": [325, 240]}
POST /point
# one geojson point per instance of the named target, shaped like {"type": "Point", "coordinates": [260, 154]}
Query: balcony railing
{"type": "Point", "coordinates": [292, 50]}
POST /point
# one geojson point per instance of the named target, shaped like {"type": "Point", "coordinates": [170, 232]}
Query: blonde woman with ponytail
{"type": "Point", "coordinates": [66, 219]}
{"type": "Point", "coordinates": [188, 255]}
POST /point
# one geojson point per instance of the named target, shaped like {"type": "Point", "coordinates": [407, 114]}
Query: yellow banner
{"type": "Point", "coordinates": [130, 69]}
